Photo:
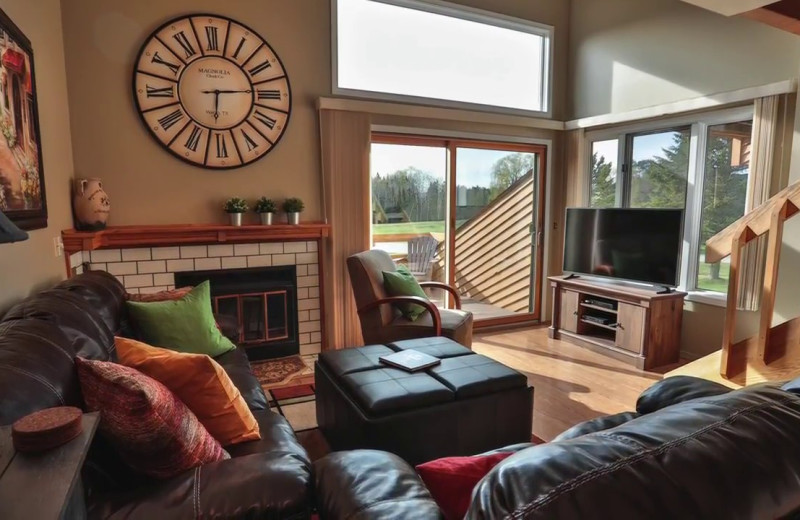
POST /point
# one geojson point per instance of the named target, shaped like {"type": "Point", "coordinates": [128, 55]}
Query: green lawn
{"type": "Point", "coordinates": [704, 280]}
{"type": "Point", "coordinates": [436, 226]}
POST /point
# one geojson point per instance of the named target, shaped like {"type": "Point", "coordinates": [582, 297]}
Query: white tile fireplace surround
{"type": "Point", "coordinates": [152, 269]}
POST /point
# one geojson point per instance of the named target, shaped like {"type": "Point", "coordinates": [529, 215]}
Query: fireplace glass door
{"type": "Point", "coordinates": [263, 316]}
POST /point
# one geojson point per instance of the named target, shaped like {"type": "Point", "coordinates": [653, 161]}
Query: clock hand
{"type": "Point", "coordinates": [235, 91]}
{"type": "Point", "coordinates": [216, 106]}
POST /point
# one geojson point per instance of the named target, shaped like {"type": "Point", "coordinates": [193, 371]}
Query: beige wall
{"type": "Point", "coordinates": [149, 186]}
{"type": "Point", "coordinates": [629, 54]}
{"type": "Point", "coordinates": [27, 266]}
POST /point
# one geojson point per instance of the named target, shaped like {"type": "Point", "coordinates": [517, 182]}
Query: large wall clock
{"type": "Point", "coordinates": [212, 91]}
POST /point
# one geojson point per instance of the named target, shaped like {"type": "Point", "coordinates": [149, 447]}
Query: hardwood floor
{"type": "Point", "coordinates": [571, 383]}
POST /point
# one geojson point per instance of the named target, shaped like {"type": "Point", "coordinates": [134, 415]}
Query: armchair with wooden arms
{"type": "Point", "coordinates": [382, 322]}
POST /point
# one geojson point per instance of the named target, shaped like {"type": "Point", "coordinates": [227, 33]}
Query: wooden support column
{"type": "Point", "coordinates": [768, 353]}
{"type": "Point", "coordinates": [744, 235]}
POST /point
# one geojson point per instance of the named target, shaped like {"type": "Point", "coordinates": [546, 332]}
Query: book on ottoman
{"type": "Point", "coordinates": [410, 360]}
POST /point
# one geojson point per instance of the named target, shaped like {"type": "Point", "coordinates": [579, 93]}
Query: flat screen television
{"type": "Point", "coordinates": [641, 245]}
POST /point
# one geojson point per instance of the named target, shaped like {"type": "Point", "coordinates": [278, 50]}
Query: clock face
{"type": "Point", "coordinates": [212, 91]}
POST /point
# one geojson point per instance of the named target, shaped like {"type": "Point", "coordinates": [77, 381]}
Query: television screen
{"type": "Point", "coordinates": [642, 245]}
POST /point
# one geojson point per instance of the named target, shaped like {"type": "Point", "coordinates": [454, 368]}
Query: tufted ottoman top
{"type": "Point", "coordinates": [380, 390]}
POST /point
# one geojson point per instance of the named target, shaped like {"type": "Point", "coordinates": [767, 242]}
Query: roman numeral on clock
{"type": "Point", "coordinates": [269, 94]}
{"type": "Point", "coordinates": [251, 145]}
{"type": "Point", "coordinates": [258, 69]}
{"type": "Point", "coordinates": [239, 48]}
{"type": "Point", "coordinates": [194, 139]}
{"type": "Point", "coordinates": [222, 149]}
{"type": "Point", "coordinates": [264, 118]}
{"type": "Point", "coordinates": [166, 92]}
{"type": "Point", "coordinates": [184, 42]}
{"type": "Point", "coordinates": [211, 36]}
{"type": "Point", "coordinates": [161, 61]}
{"type": "Point", "coordinates": [170, 119]}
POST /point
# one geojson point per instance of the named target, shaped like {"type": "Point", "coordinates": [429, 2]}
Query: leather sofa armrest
{"type": "Point", "coordinates": [596, 425]}
{"type": "Point", "coordinates": [677, 389]}
{"type": "Point", "coordinates": [265, 485]}
{"type": "Point", "coordinates": [370, 484]}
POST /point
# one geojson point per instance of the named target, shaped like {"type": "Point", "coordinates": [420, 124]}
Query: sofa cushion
{"type": "Point", "coordinates": [677, 389]}
{"type": "Point", "coordinates": [201, 383]}
{"type": "Point", "coordinates": [104, 293]}
{"type": "Point", "coordinates": [436, 346]}
{"type": "Point", "coordinates": [276, 435]}
{"type": "Point", "coordinates": [475, 375]}
{"type": "Point", "coordinates": [369, 484]}
{"type": "Point", "coordinates": [154, 432]}
{"type": "Point", "coordinates": [36, 369]}
{"type": "Point", "coordinates": [597, 424]}
{"type": "Point", "coordinates": [237, 366]}
{"type": "Point", "coordinates": [734, 455]}
{"type": "Point", "coordinates": [85, 330]}
{"type": "Point", "coordinates": [388, 390]}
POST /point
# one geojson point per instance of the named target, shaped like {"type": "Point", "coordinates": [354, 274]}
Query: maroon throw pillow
{"type": "Point", "coordinates": [452, 479]}
{"type": "Point", "coordinates": [153, 431]}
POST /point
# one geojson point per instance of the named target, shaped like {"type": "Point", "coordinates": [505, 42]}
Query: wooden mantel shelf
{"type": "Point", "coordinates": [167, 235]}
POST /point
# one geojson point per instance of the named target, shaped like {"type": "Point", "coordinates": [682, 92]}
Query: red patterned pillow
{"type": "Point", "coordinates": [154, 432]}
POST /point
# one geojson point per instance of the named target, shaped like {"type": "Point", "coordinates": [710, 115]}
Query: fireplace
{"type": "Point", "coordinates": [263, 300]}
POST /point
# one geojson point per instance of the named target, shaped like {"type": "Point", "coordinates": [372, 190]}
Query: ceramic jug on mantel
{"type": "Point", "coordinates": [90, 204]}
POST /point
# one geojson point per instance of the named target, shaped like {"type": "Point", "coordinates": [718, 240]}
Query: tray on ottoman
{"type": "Point", "coordinates": [467, 404]}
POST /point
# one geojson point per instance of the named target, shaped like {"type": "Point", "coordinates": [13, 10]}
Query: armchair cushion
{"type": "Point", "coordinates": [456, 325]}
{"type": "Point", "coordinates": [402, 283]}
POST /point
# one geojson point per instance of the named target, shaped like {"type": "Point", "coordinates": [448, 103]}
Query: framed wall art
{"type": "Point", "coordinates": [22, 193]}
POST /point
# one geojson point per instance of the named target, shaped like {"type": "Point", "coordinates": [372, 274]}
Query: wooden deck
{"type": "Point", "coordinates": [571, 383]}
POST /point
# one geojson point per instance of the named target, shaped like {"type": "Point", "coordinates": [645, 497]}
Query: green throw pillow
{"type": "Point", "coordinates": [185, 325]}
{"type": "Point", "coordinates": [403, 283]}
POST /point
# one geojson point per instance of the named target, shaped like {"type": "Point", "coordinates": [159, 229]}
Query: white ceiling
{"type": "Point", "coordinates": [730, 7]}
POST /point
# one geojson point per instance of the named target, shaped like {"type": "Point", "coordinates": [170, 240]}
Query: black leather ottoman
{"type": "Point", "coordinates": [466, 405]}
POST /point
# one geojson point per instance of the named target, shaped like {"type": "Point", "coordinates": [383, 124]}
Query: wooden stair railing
{"type": "Point", "coordinates": [774, 353]}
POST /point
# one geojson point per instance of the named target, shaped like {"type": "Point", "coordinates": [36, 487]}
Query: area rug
{"type": "Point", "coordinates": [296, 403]}
{"type": "Point", "coordinates": [275, 373]}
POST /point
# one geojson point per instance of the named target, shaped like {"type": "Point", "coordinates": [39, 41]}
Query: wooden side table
{"type": "Point", "coordinates": [42, 485]}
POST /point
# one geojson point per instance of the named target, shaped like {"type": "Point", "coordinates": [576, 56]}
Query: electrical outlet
{"type": "Point", "coordinates": [58, 245]}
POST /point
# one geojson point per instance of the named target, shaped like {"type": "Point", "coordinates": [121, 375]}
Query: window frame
{"type": "Point", "coordinates": [692, 219]}
{"type": "Point", "coordinates": [452, 10]}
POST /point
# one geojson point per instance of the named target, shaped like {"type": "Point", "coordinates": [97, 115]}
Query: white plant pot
{"type": "Point", "coordinates": [266, 218]}
{"type": "Point", "coordinates": [236, 219]}
{"type": "Point", "coordinates": [293, 218]}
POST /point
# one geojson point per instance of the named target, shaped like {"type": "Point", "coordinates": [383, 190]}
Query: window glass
{"type": "Point", "coordinates": [412, 51]}
{"type": "Point", "coordinates": [659, 169]}
{"type": "Point", "coordinates": [604, 173]}
{"type": "Point", "coordinates": [727, 167]}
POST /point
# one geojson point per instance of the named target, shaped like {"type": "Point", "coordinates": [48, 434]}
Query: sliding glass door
{"type": "Point", "coordinates": [466, 213]}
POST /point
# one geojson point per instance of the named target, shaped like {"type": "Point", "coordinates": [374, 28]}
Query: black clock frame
{"type": "Point", "coordinates": [147, 126]}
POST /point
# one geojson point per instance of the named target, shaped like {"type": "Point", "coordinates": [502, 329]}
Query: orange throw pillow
{"type": "Point", "coordinates": [201, 383]}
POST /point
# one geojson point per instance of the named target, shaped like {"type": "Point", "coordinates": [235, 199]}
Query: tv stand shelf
{"type": "Point", "coordinates": [646, 331]}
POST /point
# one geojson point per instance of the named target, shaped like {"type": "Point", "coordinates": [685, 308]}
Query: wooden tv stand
{"type": "Point", "coordinates": [639, 326]}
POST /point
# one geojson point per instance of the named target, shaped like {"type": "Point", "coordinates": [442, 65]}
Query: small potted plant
{"type": "Point", "coordinates": [234, 207]}
{"type": "Point", "coordinates": [292, 207]}
{"type": "Point", "coordinates": [266, 209]}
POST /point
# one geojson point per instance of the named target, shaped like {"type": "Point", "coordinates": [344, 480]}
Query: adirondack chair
{"type": "Point", "coordinates": [421, 253]}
